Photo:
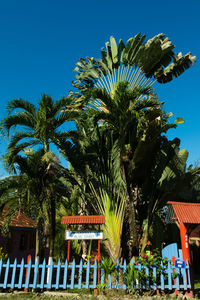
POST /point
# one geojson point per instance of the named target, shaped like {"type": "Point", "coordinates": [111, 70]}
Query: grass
{"type": "Point", "coordinates": [63, 295]}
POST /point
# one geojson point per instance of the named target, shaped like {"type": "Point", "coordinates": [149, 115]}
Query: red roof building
{"type": "Point", "coordinates": [19, 242]}
{"type": "Point", "coordinates": [186, 212]}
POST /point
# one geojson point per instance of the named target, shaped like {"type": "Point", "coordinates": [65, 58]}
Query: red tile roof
{"type": "Point", "coordinates": [18, 220]}
{"type": "Point", "coordinates": [83, 220]}
{"type": "Point", "coordinates": [186, 212]}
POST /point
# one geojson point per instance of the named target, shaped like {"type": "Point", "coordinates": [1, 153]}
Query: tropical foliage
{"type": "Point", "coordinates": [121, 162]}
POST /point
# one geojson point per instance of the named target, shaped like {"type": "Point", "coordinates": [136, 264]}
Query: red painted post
{"type": "Point", "coordinates": [186, 253]}
{"type": "Point", "coordinates": [68, 248]}
{"type": "Point", "coordinates": [28, 259]}
{"type": "Point", "coordinates": [99, 249]}
{"type": "Point", "coordinates": [185, 243]}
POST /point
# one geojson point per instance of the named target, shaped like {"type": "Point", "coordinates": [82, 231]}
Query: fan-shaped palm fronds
{"type": "Point", "coordinates": [136, 61]}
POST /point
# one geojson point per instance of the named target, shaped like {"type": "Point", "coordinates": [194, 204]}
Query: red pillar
{"type": "Point", "coordinates": [186, 254]}
{"type": "Point", "coordinates": [68, 248]}
{"type": "Point", "coordinates": [99, 249]}
{"type": "Point", "coordinates": [185, 243]}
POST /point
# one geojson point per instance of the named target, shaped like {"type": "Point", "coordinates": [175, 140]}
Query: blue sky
{"type": "Point", "coordinates": [42, 39]}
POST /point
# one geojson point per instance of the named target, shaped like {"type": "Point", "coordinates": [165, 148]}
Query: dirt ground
{"type": "Point", "coordinates": [69, 296]}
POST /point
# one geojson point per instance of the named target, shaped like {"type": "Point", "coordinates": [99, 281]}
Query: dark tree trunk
{"type": "Point", "coordinates": [52, 228]}
{"type": "Point", "coordinates": [133, 243]}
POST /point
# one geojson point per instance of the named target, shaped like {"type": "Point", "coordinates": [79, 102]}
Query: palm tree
{"type": "Point", "coordinates": [40, 190]}
{"type": "Point", "coordinates": [39, 127]}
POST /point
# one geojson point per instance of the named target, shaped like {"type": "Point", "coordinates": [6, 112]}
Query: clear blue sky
{"type": "Point", "coordinates": [42, 39]}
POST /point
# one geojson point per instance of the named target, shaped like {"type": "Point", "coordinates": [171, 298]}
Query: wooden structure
{"type": "Point", "coordinates": [77, 220]}
{"type": "Point", "coordinates": [20, 240]}
{"type": "Point", "coordinates": [187, 218]}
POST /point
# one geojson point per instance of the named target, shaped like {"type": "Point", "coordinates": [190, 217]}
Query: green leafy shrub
{"type": "Point", "coordinates": [136, 278]}
{"type": "Point", "coordinates": [2, 255]}
{"type": "Point", "coordinates": [108, 266]}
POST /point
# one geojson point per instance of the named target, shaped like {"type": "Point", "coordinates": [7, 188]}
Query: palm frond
{"type": "Point", "coordinates": [113, 209]}
{"type": "Point", "coordinates": [21, 104]}
{"type": "Point", "coordinates": [19, 119]}
{"type": "Point", "coordinates": [18, 137]}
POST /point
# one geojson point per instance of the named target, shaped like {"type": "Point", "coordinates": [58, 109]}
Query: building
{"type": "Point", "coordinates": [19, 242]}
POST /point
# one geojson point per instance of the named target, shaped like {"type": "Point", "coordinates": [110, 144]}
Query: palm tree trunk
{"type": "Point", "coordinates": [52, 228]}
{"type": "Point", "coordinates": [133, 243]}
{"type": "Point", "coordinates": [145, 237]}
{"type": "Point", "coordinates": [38, 239]}
{"type": "Point", "coordinates": [82, 227]}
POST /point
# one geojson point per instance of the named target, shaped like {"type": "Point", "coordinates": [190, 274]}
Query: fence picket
{"type": "Point", "coordinates": [91, 276]}
{"type": "Point", "coordinates": [147, 279]}
{"type": "Point", "coordinates": [169, 273]}
{"type": "Point", "coordinates": [155, 277]}
{"type": "Point", "coordinates": [124, 271]}
{"type": "Point", "coordinates": [102, 276]}
{"type": "Point", "coordinates": [117, 277]}
{"type": "Point", "coordinates": [73, 274]}
{"type": "Point", "coordinates": [1, 265]}
{"type": "Point", "coordinates": [35, 273]}
{"type": "Point", "coordinates": [49, 279]}
{"type": "Point", "coordinates": [109, 281]}
{"type": "Point", "coordinates": [162, 283]}
{"type": "Point", "coordinates": [6, 274]}
{"type": "Point", "coordinates": [13, 274]}
{"type": "Point", "coordinates": [95, 274]}
{"type": "Point", "coordinates": [87, 274]}
{"type": "Point", "coordinates": [177, 279]}
{"type": "Point", "coordinates": [58, 274]}
{"type": "Point", "coordinates": [140, 269]}
{"type": "Point", "coordinates": [65, 275]}
{"type": "Point", "coordinates": [21, 274]}
{"type": "Point", "coordinates": [184, 278]}
{"type": "Point", "coordinates": [188, 276]}
{"type": "Point", "coordinates": [43, 274]}
{"type": "Point", "coordinates": [80, 274]}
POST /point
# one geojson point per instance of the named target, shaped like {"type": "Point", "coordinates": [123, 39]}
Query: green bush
{"type": "Point", "coordinates": [2, 255]}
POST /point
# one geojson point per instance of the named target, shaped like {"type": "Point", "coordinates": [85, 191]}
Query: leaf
{"type": "Point", "coordinates": [179, 121]}
{"type": "Point", "coordinates": [114, 49]}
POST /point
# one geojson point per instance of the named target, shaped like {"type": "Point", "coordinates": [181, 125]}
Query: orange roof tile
{"type": "Point", "coordinates": [18, 220]}
{"type": "Point", "coordinates": [186, 212]}
{"type": "Point", "coordinates": [83, 219]}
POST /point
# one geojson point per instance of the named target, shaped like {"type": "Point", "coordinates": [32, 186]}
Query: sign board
{"type": "Point", "coordinates": [179, 263]}
{"type": "Point", "coordinates": [83, 235]}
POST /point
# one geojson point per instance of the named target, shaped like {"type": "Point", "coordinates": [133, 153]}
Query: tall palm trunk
{"type": "Point", "coordinates": [38, 239]}
{"type": "Point", "coordinates": [133, 244]}
{"type": "Point", "coordinates": [82, 227]}
{"type": "Point", "coordinates": [145, 237]}
{"type": "Point", "coordinates": [52, 227]}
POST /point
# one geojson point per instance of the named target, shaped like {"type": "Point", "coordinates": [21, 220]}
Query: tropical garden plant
{"type": "Point", "coordinates": [121, 163]}
{"type": "Point", "coordinates": [117, 93]}
{"type": "Point", "coordinates": [39, 127]}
